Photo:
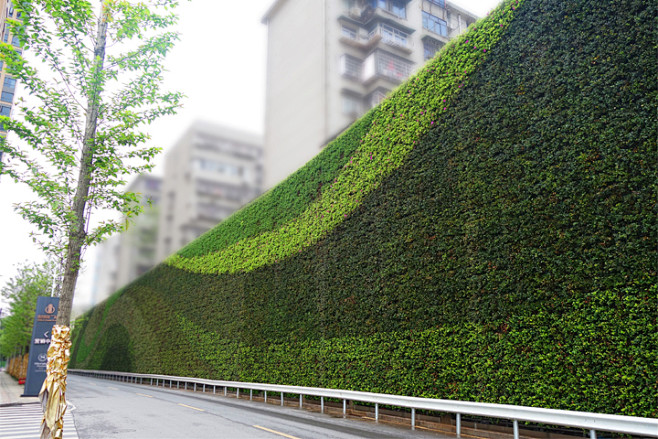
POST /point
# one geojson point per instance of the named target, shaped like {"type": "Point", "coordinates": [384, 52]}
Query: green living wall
{"type": "Point", "coordinates": [487, 233]}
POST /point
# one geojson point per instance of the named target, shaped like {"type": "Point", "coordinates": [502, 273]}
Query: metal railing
{"type": "Point", "coordinates": [590, 421]}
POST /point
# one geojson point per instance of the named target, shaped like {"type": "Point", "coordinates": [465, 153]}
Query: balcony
{"type": "Point", "coordinates": [382, 64]}
{"type": "Point", "coordinates": [392, 36]}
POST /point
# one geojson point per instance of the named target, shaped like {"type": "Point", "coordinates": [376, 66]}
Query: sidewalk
{"type": "Point", "coordinates": [11, 391]}
{"type": "Point", "coordinates": [20, 418]}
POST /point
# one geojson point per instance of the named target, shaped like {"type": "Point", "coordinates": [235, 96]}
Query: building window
{"type": "Point", "coordinates": [376, 97]}
{"type": "Point", "coordinates": [391, 35]}
{"type": "Point", "coordinates": [350, 66]}
{"type": "Point", "coordinates": [218, 167]}
{"type": "Point", "coordinates": [441, 3]}
{"type": "Point", "coordinates": [5, 110]}
{"type": "Point", "coordinates": [14, 41]}
{"type": "Point", "coordinates": [435, 24]}
{"type": "Point", "coordinates": [351, 105]}
{"type": "Point", "coordinates": [430, 47]}
{"type": "Point", "coordinates": [348, 32]}
{"type": "Point", "coordinates": [388, 65]}
{"type": "Point", "coordinates": [10, 84]}
{"type": "Point", "coordinates": [7, 96]}
{"type": "Point", "coordinates": [396, 7]}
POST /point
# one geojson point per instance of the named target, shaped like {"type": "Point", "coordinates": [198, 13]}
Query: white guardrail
{"type": "Point", "coordinates": [591, 421]}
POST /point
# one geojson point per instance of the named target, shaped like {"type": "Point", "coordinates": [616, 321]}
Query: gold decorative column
{"type": "Point", "coordinates": [52, 395]}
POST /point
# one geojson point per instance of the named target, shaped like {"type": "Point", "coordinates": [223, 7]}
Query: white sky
{"type": "Point", "coordinates": [219, 64]}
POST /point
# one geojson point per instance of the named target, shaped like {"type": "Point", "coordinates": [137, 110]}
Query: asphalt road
{"type": "Point", "coordinates": [110, 409]}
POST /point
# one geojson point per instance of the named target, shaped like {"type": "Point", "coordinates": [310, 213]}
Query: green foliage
{"type": "Point", "coordinates": [93, 82]}
{"type": "Point", "coordinates": [392, 132]}
{"type": "Point", "coordinates": [52, 121]}
{"type": "Point", "coordinates": [32, 281]}
{"type": "Point", "coordinates": [507, 256]}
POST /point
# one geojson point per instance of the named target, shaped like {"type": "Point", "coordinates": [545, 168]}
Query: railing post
{"type": "Point", "coordinates": [251, 394]}
{"type": "Point", "coordinates": [204, 388]}
{"type": "Point", "coordinates": [195, 387]}
{"type": "Point", "coordinates": [214, 390]}
{"type": "Point", "coordinates": [458, 427]}
{"type": "Point", "coordinates": [225, 390]}
{"type": "Point", "coordinates": [265, 396]}
{"type": "Point", "coordinates": [301, 399]}
{"type": "Point", "coordinates": [376, 412]}
{"type": "Point", "coordinates": [344, 407]}
{"type": "Point", "coordinates": [281, 399]}
{"type": "Point", "coordinates": [322, 404]}
{"type": "Point", "coordinates": [151, 381]}
{"type": "Point", "coordinates": [413, 418]}
{"type": "Point", "coordinates": [516, 429]}
{"type": "Point", "coordinates": [237, 393]}
{"type": "Point", "coordinates": [592, 434]}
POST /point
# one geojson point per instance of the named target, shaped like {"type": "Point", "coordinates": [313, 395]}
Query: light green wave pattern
{"type": "Point", "coordinates": [401, 120]}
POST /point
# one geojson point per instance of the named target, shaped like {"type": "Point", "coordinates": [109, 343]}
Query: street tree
{"type": "Point", "coordinates": [21, 292]}
{"type": "Point", "coordinates": [93, 74]}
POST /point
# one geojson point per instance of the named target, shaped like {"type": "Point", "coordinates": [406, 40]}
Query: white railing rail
{"type": "Point", "coordinates": [591, 421]}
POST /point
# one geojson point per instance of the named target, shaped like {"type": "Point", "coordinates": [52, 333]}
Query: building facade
{"type": "Point", "coordinates": [7, 10]}
{"type": "Point", "coordinates": [210, 173]}
{"type": "Point", "coordinates": [329, 61]}
{"type": "Point", "coordinates": [124, 257]}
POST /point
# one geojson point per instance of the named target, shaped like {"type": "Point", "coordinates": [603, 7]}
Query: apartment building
{"type": "Point", "coordinates": [210, 173]}
{"type": "Point", "coordinates": [8, 83]}
{"type": "Point", "coordinates": [329, 61]}
{"type": "Point", "coordinates": [124, 257]}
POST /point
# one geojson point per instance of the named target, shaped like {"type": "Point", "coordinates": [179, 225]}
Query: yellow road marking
{"type": "Point", "coordinates": [142, 394]}
{"type": "Point", "coordinates": [193, 408]}
{"type": "Point", "coordinates": [276, 432]}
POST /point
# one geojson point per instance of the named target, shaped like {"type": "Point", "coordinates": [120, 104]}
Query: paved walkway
{"type": "Point", "coordinates": [11, 391]}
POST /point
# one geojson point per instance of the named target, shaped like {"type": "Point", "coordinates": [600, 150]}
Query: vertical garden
{"type": "Point", "coordinates": [487, 233]}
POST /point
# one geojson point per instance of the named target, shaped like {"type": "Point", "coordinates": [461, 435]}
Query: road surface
{"type": "Point", "coordinates": [110, 409]}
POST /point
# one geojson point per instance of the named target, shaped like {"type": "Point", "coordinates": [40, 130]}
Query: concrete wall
{"type": "Point", "coordinates": [294, 117]}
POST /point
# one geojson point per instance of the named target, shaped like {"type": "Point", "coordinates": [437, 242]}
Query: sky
{"type": "Point", "coordinates": [219, 64]}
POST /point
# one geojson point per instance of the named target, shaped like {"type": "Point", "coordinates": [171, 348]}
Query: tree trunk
{"type": "Point", "coordinates": [77, 231]}
{"type": "Point", "coordinates": [52, 394]}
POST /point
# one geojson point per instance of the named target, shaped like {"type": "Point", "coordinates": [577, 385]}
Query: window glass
{"type": "Point", "coordinates": [435, 24]}
{"type": "Point", "coordinates": [7, 96]}
{"type": "Point", "coordinates": [392, 67]}
{"type": "Point", "coordinates": [350, 105]}
{"type": "Point", "coordinates": [430, 47]}
{"type": "Point", "coordinates": [398, 8]}
{"type": "Point", "coordinates": [392, 35]}
{"type": "Point", "coordinates": [349, 33]}
{"type": "Point", "coordinates": [10, 83]}
{"type": "Point", "coordinates": [5, 110]}
{"type": "Point", "coordinates": [350, 66]}
{"type": "Point", "coordinates": [441, 3]}
{"type": "Point", "coordinates": [376, 97]}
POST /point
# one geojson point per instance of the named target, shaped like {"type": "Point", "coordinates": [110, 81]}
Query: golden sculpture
{"type": "Point", "coordinates": [52, 394]}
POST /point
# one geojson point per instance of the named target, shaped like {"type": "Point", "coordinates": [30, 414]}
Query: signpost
{"type": "Point", "coordinates": [44, 319]}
